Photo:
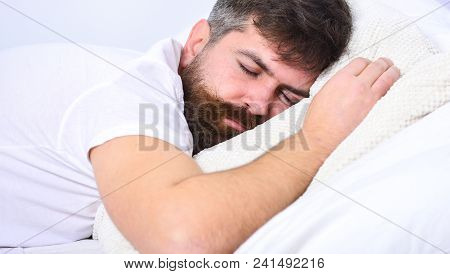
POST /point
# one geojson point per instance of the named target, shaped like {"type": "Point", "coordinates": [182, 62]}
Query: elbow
{"type": "Point", "coordinates": [173, 231]}
{"type": "Point", "coordinates": [173, 241]}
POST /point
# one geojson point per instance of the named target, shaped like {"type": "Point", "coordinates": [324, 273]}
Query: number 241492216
{"type": "Point", "coordinates": [289, 263]}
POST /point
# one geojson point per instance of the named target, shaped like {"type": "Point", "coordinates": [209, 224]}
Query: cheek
{"type": "Point", "coordinates": [226, 83]}
{"type": "Point", "coordinates": [230, 93]}
{"type": "Point", "coordinates": [277, 108]}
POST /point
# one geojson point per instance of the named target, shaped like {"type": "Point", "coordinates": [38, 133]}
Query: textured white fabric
{"type": "Point", "coordinates": [423, 88]}
{"type": "Point", "coordinates": [393, 200]}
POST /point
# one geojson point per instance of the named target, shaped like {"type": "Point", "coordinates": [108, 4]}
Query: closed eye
{"type": "Point", "coordinates": [248, 72]}
{"type": "Point", "coordinates": [287, 97]}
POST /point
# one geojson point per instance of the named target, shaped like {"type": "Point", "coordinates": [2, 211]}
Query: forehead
{"type": "Point", "coordinates": [250, 39]}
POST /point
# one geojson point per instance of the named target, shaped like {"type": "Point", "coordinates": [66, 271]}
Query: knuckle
{"type": "Point", "coordinates": [341, 78]}
{"type": "Point", "coordinates": [388, 79]}
{"type": "Point", "coordinates": [391, 76]}
{"type": "Point", "coordinates": [384, 84]}
{"type": "Point", "coordinates": [381, 65]}
{"type": "Point", "coordinates": [361, 61]}
{"type": "Point", "coordinates": [387, 61]}
{"type": "Point", "coordinates": [360, 86]}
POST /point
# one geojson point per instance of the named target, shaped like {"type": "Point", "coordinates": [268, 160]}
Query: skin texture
{"type": "Point", "coordinates": [162, 202]}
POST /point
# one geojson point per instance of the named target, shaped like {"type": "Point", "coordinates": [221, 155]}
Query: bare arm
{"type": "Point", "coordinates": [161, 201]}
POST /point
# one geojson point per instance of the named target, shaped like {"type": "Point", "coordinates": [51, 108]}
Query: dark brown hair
{"type": "Point", "coordinates": [308, 34]}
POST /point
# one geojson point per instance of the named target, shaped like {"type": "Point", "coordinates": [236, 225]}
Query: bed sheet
{"type": "Point", "coordinates": [82, 71]}
{"type": "Point", "coordinates": [80, 247]}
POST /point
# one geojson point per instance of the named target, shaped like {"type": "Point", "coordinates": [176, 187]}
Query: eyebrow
{"type": "Point", "coordinates": [255, 58]}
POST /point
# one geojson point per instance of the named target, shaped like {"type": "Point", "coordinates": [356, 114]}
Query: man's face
{"type": "Point", "coordinates": [236, 84]}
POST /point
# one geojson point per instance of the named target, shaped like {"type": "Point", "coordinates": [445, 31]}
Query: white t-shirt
{"type": "Point", "coordinates": [48, 194]}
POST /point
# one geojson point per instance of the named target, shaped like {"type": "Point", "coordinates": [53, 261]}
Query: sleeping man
{"type": "Point", "coordinates": [130, 141]}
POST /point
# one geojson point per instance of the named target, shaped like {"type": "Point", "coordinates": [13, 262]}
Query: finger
{"type": "Point", "coordinates": [374, 71]}
{"type": "Point", "coordinates": [356, 66]}
{"type": "Point", "coordinates": [385, 81]}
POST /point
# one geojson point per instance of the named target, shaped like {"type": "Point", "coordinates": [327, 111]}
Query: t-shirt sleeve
{"type": "Point", "coordinates": [125, 107]}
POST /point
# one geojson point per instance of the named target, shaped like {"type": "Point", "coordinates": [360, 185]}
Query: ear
{"type": "Point", "coordinates": [198, 38]}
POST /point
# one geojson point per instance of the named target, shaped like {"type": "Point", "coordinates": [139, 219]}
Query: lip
{"type": "Point", "coordinates": [234, 124]}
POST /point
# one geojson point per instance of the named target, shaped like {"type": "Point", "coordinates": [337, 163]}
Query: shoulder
{"type": "Point", "coordinates": [147, 99]}
{"type": "Point", "coordinates": [155, 74]}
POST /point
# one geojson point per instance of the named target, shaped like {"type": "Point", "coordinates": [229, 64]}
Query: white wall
{"type": "Point", "coordinates": [435, 25]}
{"type": "Point", "coordinates": [137, 24]}
{"type": "Point", "coordinates": [133, 24]}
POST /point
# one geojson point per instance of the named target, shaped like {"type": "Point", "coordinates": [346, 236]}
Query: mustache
{"type": "Point", "coordinates": [212, 112]}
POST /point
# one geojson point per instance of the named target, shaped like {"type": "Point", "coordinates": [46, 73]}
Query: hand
{"type": "Point", "coordinates": [345, 100]}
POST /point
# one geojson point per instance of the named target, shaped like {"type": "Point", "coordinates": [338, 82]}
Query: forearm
{"type": "Point", "coordinates": [215, 213]}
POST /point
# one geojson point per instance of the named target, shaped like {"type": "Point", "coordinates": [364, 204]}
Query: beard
{"type": "Point", "coordinates": [205, 112]}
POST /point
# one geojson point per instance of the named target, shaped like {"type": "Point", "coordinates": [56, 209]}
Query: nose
{"type": "Point", "coordinates": [258, 108]}
{"type": "Point", "coordinates": [258, 100]}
